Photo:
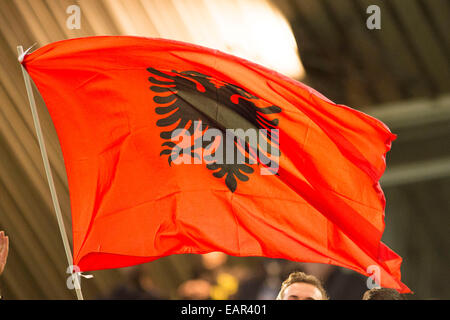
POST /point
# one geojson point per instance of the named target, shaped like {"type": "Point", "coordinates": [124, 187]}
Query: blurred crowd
{"type": "Point", "coordinates": [215, 277]}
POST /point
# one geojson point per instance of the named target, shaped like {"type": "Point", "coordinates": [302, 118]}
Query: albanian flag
{"type": "Point", "coordinates": [173, 148]}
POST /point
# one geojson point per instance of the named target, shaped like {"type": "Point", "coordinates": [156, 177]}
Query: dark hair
{"type": "Point", "coordinates": [295, 277]}
{"type": "Point", "coordinates": [382, 294]}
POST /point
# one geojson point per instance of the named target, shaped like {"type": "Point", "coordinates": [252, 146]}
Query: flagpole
{"type": "Point", "coordinates": [48, 172]}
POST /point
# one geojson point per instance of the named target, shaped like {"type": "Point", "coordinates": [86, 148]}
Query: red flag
{"type": "Point", "coordinates": [128, 110]}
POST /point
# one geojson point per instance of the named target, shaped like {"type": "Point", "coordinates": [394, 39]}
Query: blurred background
{"type": "Point", "coordinates": [399, 73]}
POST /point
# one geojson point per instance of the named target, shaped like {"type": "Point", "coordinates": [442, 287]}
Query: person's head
{"type": "Point", "coordinates": [214, 260]}
{"type": "Point", "coordinates": [301, 286]}
{"type": "Point", "coordinates": [382, 294]}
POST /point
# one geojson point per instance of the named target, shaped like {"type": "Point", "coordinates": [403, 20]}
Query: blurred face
{"type": "Point", "coordinates": [302, 291]}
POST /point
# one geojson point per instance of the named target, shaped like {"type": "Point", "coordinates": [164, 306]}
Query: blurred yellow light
{"type": "Point", "coordinates": [228, 282]}
{"type": "Point", "coordinates": [251, 29]}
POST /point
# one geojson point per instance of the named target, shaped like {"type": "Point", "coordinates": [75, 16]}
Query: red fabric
{"type": "Point", "coordinates": [129, 206]}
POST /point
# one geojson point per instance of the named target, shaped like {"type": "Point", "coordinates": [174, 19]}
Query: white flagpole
{"type": "Point", "coordinates": [48, 171]}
